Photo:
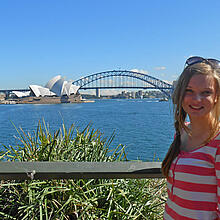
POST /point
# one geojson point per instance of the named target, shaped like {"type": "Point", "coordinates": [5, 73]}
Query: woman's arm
{"type": "Point", "coordinates": [217, 172]}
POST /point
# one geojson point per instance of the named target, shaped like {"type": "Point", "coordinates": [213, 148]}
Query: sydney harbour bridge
{"type": "Point", "coordinates": [123, 79]}
{"type": "Point", "coordinates": [118, 79]}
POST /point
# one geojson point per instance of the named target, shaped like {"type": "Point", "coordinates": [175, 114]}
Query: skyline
{"type": "Point", "coordinates": [42, 39]}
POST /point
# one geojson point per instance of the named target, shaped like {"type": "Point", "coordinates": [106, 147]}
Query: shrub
{"type": "Point", "coordinates": [76, 199]}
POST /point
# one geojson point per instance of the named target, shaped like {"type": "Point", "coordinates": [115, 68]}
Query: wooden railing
{"type": "Point", "coordinates": [78, 170]}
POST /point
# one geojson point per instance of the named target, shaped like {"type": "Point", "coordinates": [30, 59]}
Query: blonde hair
{"type": "Point", "coordinates": [179, 113]}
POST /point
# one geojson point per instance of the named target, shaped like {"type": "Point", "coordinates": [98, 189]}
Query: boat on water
{"type": "Point", "coordinates": [163, 100]}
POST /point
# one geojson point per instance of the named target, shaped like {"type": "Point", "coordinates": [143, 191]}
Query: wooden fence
{"type": "Point", "coordinates": [78, 170]}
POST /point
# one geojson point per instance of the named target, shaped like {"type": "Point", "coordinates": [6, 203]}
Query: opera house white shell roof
{"type": "Point", "coordinates": [41, 91]}
{"type": "Point", "coordinates": [50, 83]}
{"type": "Point", "coordinates": [21, 94]}
{"type": "Point", "coordinates": [57, 86]}
{"type": "Point", "coordinates": [61, 87]}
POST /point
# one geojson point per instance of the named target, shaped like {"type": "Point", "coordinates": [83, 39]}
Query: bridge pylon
{"type": "Point", "coordinates": [98, 92]}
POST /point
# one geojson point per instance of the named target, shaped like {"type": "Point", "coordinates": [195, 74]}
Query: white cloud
{"type": "Point", "coordinates": [160, 68]}
{"type": "Point", "coordinates": [140, 71]}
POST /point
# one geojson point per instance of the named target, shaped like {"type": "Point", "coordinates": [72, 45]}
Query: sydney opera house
{"type": "Point", "coordinates": [57, 90]}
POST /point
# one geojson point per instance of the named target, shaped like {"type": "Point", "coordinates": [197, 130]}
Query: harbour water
{"type": "Point", "coordinates": [145, 126]}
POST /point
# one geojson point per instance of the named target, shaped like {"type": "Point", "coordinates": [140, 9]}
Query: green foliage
{"type": "Point", "coordinates": [76, 199]}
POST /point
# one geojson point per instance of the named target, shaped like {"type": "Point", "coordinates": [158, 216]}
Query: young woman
{"type": "Point", "coordinates": [192, 164]}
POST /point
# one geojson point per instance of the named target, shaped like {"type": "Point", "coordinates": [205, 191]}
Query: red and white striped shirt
{"type": "Point", "coordinates": [193, 184]}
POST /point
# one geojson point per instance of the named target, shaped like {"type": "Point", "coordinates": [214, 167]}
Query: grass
{"type": "Point", "coordinates": [76, 199]}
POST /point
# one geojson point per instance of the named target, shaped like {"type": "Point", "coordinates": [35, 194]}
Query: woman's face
{"type": "Point", "coordinates": [200, 96]}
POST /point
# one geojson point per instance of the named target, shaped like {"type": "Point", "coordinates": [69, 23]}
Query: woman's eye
{"type": "Point", "coordinates": [189, 91]}
{"type": "Point", "coordinates": [207, 92]}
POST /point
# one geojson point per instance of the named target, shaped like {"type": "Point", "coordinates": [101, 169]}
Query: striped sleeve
{"type": "Point", "coordinates": [217, 171]}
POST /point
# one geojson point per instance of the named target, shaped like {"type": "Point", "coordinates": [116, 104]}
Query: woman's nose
{"type": "Point", "coordinates": [197, 97]}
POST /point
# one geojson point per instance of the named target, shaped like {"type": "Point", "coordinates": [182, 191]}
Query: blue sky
{"type": "Point", "coordinates": [40, 39]}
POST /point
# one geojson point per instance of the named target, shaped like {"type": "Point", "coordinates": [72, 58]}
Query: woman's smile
{"type": "Point", "coordinates": [196, 107]}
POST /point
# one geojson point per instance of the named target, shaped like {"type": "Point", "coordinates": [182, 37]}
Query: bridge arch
{"type": "Point", "coordinates": [85, 82]}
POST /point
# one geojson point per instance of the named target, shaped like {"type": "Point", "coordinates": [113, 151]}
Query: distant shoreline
{"type": "Point", "coordinates": [46, 100]}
